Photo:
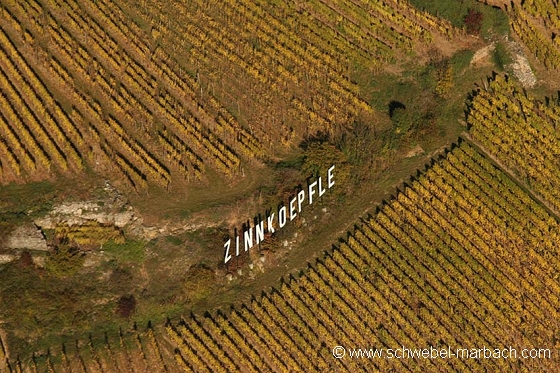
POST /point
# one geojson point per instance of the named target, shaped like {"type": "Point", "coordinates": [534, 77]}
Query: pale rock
{"type": "Point", "coordinates": [27, 236]}
{"type": "Point", "coordinates": [39, 261]}
{"type": "Point", "coordinates": [7, 258]}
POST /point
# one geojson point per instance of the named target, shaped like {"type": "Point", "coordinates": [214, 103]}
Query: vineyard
{"type": "Point", "coordinates": [464, 254]}
{"type": "Point", "coordinates": [461, 256]}
{"type": "Point", "coordinates": [438, 264]}
{"type": "Point", "coordinates": [537, 24]}
{"type": "Point", "coordinates": [521, 133]}
{"type": "Point", "coordinates": [158, 99]}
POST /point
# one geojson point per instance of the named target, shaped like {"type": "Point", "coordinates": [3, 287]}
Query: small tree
{"type": "Point", "coordinates": [25, 260]}
{"type": "Point", "coordinates": [445, 82]}
{"type": "Point", "coordinates": [473, 22]}
{"type": "Point", "coordinates": [64, 260]}
{"type": "Point", "coordinates": [126, 306]}
{"type": "Point", "coordinates": [319, 156]}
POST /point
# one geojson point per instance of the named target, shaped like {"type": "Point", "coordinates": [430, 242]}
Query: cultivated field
{"type": "Point", "coordinates": [169, 98]}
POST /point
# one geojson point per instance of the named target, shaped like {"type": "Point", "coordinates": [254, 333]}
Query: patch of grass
{"type": "Point", "coordinates": [495, 21]}
{"type": "Point", "coordinates": [452, 10]}
{"type": "Point", "coordinates": [461, 60]}
{"type": "Point", "coordinates": [501, 56]}
{"type": "Point", "coordinates": [174, 240]}
{"type": "Point", "coordinates": [129, 252]}
{"type": "Point", "coordinates": [18, 200]}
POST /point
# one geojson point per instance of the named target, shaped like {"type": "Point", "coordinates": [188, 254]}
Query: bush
{"type": "Point", "coordinates": [320, 156]}
{"type": "Point", "coordinates": [25, 260]}
{"type": "Point", "coordinates": [64, 260]}
{"type": "Point", "coordinates": [198, 283]}
{"type": "Point", "coordinates": [126, 306]}
{"type": "Point", "coordinates": [501, 56]}
{"type": "Point", "coordinates": [473, 22]}
{"type": "Point", "coordinates": [445, 82]}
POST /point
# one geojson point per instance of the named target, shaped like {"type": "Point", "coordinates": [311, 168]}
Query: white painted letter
{"type": "Point", "coordinates": [248, 238]}
{"type": "Point", "coordinates": [330, 178]}
{"type": "Point", "coordinates": [312, 191]}
{"type": "Point", "coordinates": [237, 245]}
{"type": "Point", "coordinates": [282, 217]}
{"type": "Point", "coordinates": [321, 191]}
{"type": "Point", "coordinates": [300, 199]}
{"type": "Point", "coordinates": [293, 213]}
{"type": "Point", "coordinates": [269, 223]}
{"type": "Point", "coordinates": [259, 232]}
{"type": "Point", "coordinates": [227, 256]}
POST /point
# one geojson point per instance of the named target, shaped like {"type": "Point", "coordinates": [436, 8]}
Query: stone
{"type": "Point", "coordinates": [27, 236]}
{"type": "Point", "coordinates": [39, 261]}
{"type": "Point", "coordinates": [7, 258]}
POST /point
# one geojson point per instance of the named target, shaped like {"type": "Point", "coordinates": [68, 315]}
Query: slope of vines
{"type": "Point", "coordinates": [537, 24]}
{"type": "Point", "coordinates": [160, 92]}
{"type": "Point", "coordinates": [461, 257]}
{"type": "Point", "coordinates": [286, 66]}
{"type": "Point", "coordinates": [521, 133]}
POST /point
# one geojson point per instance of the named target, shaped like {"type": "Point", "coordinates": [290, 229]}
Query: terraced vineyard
{"type": "Point", "coordinates": [537, 24]}
{"type": "Point", "coordinates": [462, 256]}
{"type": "Point", "coordinates": [521, 133]}
{"type": "Point", "coordinates": [85, 86]}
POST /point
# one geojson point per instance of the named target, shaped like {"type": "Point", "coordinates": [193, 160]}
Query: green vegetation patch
{"type": "Point", "coordinates": [492, 21]}
{"type": "Point", "coordinates": [131, 251]}
{"type": "Point", "coordinates": [88, 235]}
{"type": "Point", "coordinates": [21, 203]}
{"type": "Point", "coordinates": [501, 56]}
{"type": "Point", "coordinates": [174, 240]}
{"type": "Point", "coordinates": [64, 260]}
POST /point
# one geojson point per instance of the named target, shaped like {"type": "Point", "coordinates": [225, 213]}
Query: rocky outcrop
{"type": "Point", "coordinates": [111, 210]}
{"type": "Point", "coordinates": [520, 65]}
{"type": "Point", "coordinates": [522, 71]}
{"type": "Point", "coordinates": [77, 213]}
{"type": "Point", "coordinates": [6, 258]}
{"type": "Point", "coordinates": [482, 56]}
{"type": "Point", "coordinates": [27, 236]}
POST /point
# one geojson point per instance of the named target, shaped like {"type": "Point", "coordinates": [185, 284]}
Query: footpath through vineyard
{"type": "Point", "coordinates": [521, 133]}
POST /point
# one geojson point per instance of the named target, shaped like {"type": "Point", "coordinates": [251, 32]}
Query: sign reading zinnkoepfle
{"type": "Point", "coordinates": [253, 235]}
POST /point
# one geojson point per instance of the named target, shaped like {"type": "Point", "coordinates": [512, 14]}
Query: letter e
{"type": "Point", "coordinates": [330, 177]}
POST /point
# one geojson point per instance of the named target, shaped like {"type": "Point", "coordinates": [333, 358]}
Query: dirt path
{"type": "Point", "coordinates": [481, 149]}
{"type": "Point", "coordinates": [482, 56]}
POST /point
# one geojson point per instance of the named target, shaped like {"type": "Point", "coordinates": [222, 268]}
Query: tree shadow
{"type": "Point", "coordinates": [394, 105]}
